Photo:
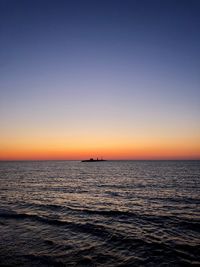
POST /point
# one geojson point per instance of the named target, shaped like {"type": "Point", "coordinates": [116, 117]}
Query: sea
{"type": "Point", "coordinates": [112, 213]}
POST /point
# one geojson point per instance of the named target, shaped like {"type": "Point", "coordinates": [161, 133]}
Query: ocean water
{"type": "Point", "coordinates": [114, 213]}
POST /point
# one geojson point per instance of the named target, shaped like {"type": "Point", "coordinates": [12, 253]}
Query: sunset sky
{"type": "Point", "coordinates": [116, 79]}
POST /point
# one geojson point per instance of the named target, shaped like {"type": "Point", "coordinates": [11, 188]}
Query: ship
{"type": "Point", "coordinates": [93, 160]}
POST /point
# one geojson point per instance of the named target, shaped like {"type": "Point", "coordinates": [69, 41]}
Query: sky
{"type": "Point", "coordinates": [116, 79]}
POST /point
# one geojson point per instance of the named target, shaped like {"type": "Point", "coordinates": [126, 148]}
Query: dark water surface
{"type": "Point", "coordinates": [120, 213]}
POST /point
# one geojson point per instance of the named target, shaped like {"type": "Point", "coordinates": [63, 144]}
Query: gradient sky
{"type": "Point", "coordinates": [118, 79]}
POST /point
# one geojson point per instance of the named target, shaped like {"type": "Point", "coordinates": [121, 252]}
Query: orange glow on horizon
{"type": "Point", "coordinates": [112, 153]}
{"type": "Point", "coordinates": [109, 147]}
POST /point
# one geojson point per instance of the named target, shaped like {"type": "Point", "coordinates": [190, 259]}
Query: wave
{"type": "Point", "coordinates": [126, 216]}
{"type": "Point", "coordinates": [100, 230]}
{"type": "Point", "coordinates": [115, 240]}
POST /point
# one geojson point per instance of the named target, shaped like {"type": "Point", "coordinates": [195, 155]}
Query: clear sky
{"type": "Point", "coordinates": [113, 78]}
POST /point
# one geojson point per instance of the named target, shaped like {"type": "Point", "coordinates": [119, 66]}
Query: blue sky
{"type": "Point", "coordinates": [100, 65]}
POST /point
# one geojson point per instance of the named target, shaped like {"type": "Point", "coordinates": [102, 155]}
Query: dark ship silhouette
{"type": "Point", "coordinates": [93, 160]}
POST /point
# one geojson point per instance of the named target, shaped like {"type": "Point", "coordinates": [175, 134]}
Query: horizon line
{"type": "Point", "coordinates": [169, 159]}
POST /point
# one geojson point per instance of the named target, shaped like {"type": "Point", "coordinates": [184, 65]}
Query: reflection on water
{"type": "Point", "coordinates": [120, 213]}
